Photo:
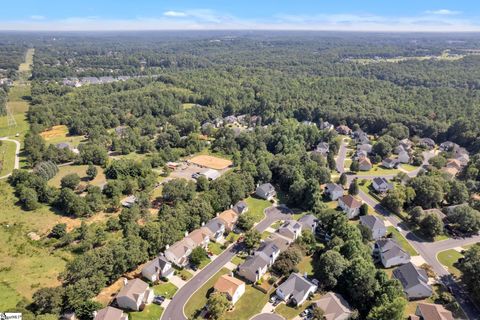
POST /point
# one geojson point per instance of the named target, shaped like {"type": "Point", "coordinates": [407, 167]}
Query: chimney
{"type": "Point", "coordinates": [94, 314]}
{"type": "Point", "coordinates": [125, 281]}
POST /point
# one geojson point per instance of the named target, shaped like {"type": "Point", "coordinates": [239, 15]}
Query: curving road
{"type": "Point", "coordinates": [342, 154]}
{"type": "Point", "coordinates": [174, 310]}
{"type": "Point", "coordinates": [17, 157]}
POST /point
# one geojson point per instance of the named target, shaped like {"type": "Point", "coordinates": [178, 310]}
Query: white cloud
{"type": "Point", "coordinates": [37, 17]}
{"type": "Point", "coordinates": [174, 14]}
{"type": "Point", "coordinates": [443, 12]}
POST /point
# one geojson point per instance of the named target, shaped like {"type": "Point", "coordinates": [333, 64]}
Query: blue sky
{"type": "Point", "coordinates": [354, 15]}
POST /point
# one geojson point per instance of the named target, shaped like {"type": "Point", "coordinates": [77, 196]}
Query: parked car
{"type": "Point", "coordinates": [158, 300]}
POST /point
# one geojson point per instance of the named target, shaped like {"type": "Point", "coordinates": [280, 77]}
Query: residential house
{"type": "Point", "coordinates": [389, 163]}
{"type": "Point", "coordinates": [381, 185]}
{"type": "Point", "coordinates": [323, 148]}
{"type": "Point", "coordinates": [334, 191]}
{"type": "Point", "coordinates": [158, 268]}
{"type": "Point", "coordinates": [229, 218]}
{"type": "Point", "coordinates": [134, 295]}
{"type": "Point", "coordinates": [325, 125]}
{"type": "Point", "coordinates": [129, 201]}
{"type": "Point", "coordinates": [403, 157]}
{"type": "Point", "coordinates": [309, 123]}
{"type": "Point", "coordinates": [414, 281]}
{"type": "Point", "coordinates": [361, 154]}
{"type": "Point", "coordinates": [427, 143]}
{"type": "Point", "coordinates": [110, 313]}
{"type": "Point", "coordinates": [240, 207]}
{"type": "Point", "coordinates": [360, 137]}
{"type": "Point", "coordinates": [450, 171]}
{"type": "Point", "coordinates": [291, 229]}
{"type": "Point", "coordinates": [431, 311]}
{"type": "Point", "coordinates": [253, 268]}
{"type": "Point", "coordinates": [448, 146]}
{"type": "Point", "coordinates": [266, 191]}
{"type": "Point", "coordinates": [211, 174]}
{"type": "Point", "coordinates": [398, 149]}
{"type": "Point", "coordinates": [463, 158]}
{"type": "Point", "coordinates": [215, 229]}
{"type": "Point", "coordinates": [230, 119]}
{"type": "Point", "coordinates": [367, 148]}
{"type": "Point", "coordinates": [232, 287]}
{"type": "Point", "coordinates": [364, 164]}
{"type": "Point", "coordinates": [375, 225]}
{"type": "Point", "coordinates": [343, 129]}
{"type": "Point", "coordinates": [296, 289]}
{"type": "Point", "coordinates": [269, 251]}
{"type": "Point", "coordinates": [179, 252]}
{"type": "Point", "coordinates": [390, 253]}
{"type": "Point", "coordinates": [406, 144]}
{"type": "Point", "coordinates": [350, 205]}
{"type": "Point", "coordinates": [199, 237]}
{"type": "Point", "coordinates": [308, 222]}
{"type": "Point", "coordinates": [454, 163]}
{"type": "Point", "coordinates": [334, 307]}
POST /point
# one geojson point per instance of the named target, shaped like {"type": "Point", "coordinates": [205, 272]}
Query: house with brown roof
{"type": "Point", "coordinates": [431, 311]}
{"type": "Point", "coordinates": [334, 307]}
{"type": "Point", "coordinates": [229, 217]}
{"type": "Point", "coordinates": [364, 164]}
{"type": "Point", "coordinates": [232, 287]}
{"type": "Point", "coordinates": [158, 268]}
{"type": "Point", "coordinates": [179, 252]}
{"type": "Point", "coordinates": [343, 129]}
{"type": "Point", "coordinates": [134, 295]}
{"type": "Point", "coordinates": [199, 237]}
{"type": "Point", "coordinates": [110, 313]}
{"type": "Point", "coordinates": [350, 205]}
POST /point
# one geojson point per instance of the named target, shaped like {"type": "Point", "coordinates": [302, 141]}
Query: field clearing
{"type": "Point", "coordinates": [7, 157]}
{"type": "Point", "coordinates": [81, 170]}
{"type": "Point", "coordinates": [448, 258]}
{"type": "Point", "coordinates": [445, 56]}
{"type": "Point", "coordinates": [18, 105]}
{"type": "Point", "coordinates": [377, 169]}
{"type": "Point", "coordinates": [211, 162]}
{"type": "Point", "coordinates": [27, 64]}
{"type": "Point", "coordinates": [53, 132]}
{"type": "Point", "coordinates": [256, 208]}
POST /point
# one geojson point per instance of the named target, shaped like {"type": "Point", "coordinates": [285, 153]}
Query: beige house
{"type": "Point", "coordinates": [134, 295]}
{"type": "Point", "coordinates": [229, 217]}
{"type": "Point", "coordinates": [350, 205]}
{"type": "Point", "coordinates": [178, 252]}
{"type": "Point", "coordinates": [430, 311]}
{"type": "Point", "coordinates": [234, 288]}
{"type": "Point", "coordinates": [334, 306]}
{"type": "Point", "coordinates": [199, 237]}
{"type": "Point", "coordinates": [110, 313]}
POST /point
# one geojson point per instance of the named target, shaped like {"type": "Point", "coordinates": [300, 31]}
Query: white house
{"type": "Point", "coordinates": [179, 252]}
{"type": "Point", "coordinates": [110, 313]}
{"type": "Point", "coordinates": [266, 191]}
{"type": "Point", "coordinates": [158, 268]}
{"type": "Point", "coordinates": [295, 289]}
{"type": "Point", "coordinates": [291, 229]}
{"type": "Point", "coordinates": [414, 281]}
{"type": "Point", "coordinates": [381, 185]}
{"type": "Point", "coordinates": [215, 229]}
{"type": "Point", "coordinates": [350, 205]}
{"type": "Point", "coordinates": [234, 288]}
{"type": "Point", "coordinates": [403, 157]}
{"type": "Point", "coordinates": [134, 295]}
{"type": "Point", "coordinates": [390, 253]}
{"type": "Point", "coordinates": [334, 191]}
{"type": "Point", "coordinates": [269, 251]}
{"type": "Point", "coordinates": [375, 225]}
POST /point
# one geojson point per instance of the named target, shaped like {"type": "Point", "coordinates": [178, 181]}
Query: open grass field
{"type": "Point", "coordinates": [402, 241]}
{"type": "Point", "coordinates": [256, 207]}
{"type": "Point", "coordinates": [59, 134]}
{"type": "Point", "coordinates": [377, 169]}
{"type": "Point", "coordinates": [211, 162]}
{"type": "Point", "coordinates": [26, 66]}
{"type": "Point", "coordinates": [249, 304]}
{"type": "Point", "coordinates": [166, 289]}
{"type": "Point", "coordinates": [82, 172]}
{"type": "Point", "coordinates": [25, 265]}
{"type": "Point", "coordinates": [305, 265]}
{"type": "Point", "coordinates": [198, 300]}
{"type": "Point", "coordinates": [7, 157]}
{"type": "Point", "coordinates": [17, 104]}
{"type": "Point", "coordinates": [152, 311]}
{"type": "Point", "coordinates": [448, 258]}
{"type": "Point", "coordinates": [409, 167]}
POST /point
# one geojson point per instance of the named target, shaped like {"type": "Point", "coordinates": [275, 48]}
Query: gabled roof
{"type": "Point", "coordinates": [198, 236]}
{"type": "Point", "coordinates": [180, 248]}
{"type": "Point", "coordinates": [290, 226]}
{"type": "Point", "coordinates": [296, 286]}
{"type": "Point", "coordinates": [268, 248]}
{"type": "Point", "coordinates": [240, 206]}
{"type": "Point", "coordinates": [333, 187]}
{"type": "Point", "coordinates": [307, 221]}
{"type": "Point", "coordinates": [228, 216]}
{"type": "Point", "coordinates": [215, 225]}
{"type": "Point", "coordinates": [334, 306]}
{"type": "Point", "coordinates": [410, 275]}
{"type": "Point", "coordinates": [365, 161]}
{"type": "Point", "coordinates": [430, 311]}
{"type": "Point", "coordinates": [133, 289]}
{"type": "Point", "coordinates": [266, 188]}
{"type": "Point", "coordinates": [372, 222]}
{"type": "Point", "coordinates": [109, 313]}
{"type": "Point", "coordinates": [253, 263]}
{"type": "Point", "coordinates": [381, 181]}
{"type": "Point", "coordinates": [389, 249]}
{"type": "Point", "coordinates": [228, 284]}
{"type": "Point", "coordinates": [159, 262]}
{"type": "Point", "coordinates": [350, 201]}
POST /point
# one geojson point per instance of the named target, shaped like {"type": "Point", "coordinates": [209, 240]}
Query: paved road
{"type": "Point", "coordinates": [174, 310]}
{"type": "Point", "coordinates": [17, 152]}
{"type": "Point", "coordinates": [267, 316]}
{"type": "Point", "coordinates": [342, 154]}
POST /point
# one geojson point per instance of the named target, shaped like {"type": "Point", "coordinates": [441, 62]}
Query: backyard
{"type": "Point", "coordinates": [81, 171]}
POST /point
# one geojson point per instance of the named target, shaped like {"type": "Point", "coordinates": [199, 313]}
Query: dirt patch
{"type": "Point", "coordinates": [54, 132]}
{"type": "Point", "coordinates": [211, 162]}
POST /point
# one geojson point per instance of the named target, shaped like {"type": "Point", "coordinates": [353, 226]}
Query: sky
{"type": "Point", "coordinates": [341, 15]}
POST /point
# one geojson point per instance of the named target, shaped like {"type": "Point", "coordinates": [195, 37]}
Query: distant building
{"type": "Point", "coordinates": [266, 191]}
{"type": "Point", "coordinates": [427, 143]}
{"type": "Point", "coordinates": [129, 201]}
{"type": "Point", "coordinates": [343, 129]}
{"type": "Point", "coordinates": [322, 148]}
{"type": "Point", "coordinates": [211, 174]}
{"type": "Point", "coordinates": [389, 163]}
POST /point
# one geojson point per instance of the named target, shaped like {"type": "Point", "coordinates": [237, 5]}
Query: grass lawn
{"type": "Point", "coordinates": [409, 167]}
{"type": "Point", "coordinates": [7, 157]}
{"type": "Point", "coordinates": [238, 260]}
{"type": "Point", "coordinates": [81, 171]}
{"type": "Point", "coordinates": [152, 311]}
{"type": "Point", "coordinates": [187, 106]}
{"type": "Point", "coordinates": [25, 265]}
{"type": "Point", "coordinates": [204, 263]}
{"type": "Point", "coordinates": [297, 216]}
{"type": "Point", "coordinates": [402, 241]}
{"type": "Point", "coordinates": [378, 169]}
{"type": "Point", "coordinates": [265, 235]}
{"type": "Point", "coordinates": [184, 274]}
{"type": "Point", "coordinates": [332, 204]}
{"type": "Point", "coordinates": [249, 304]}
{"type": "Point", "coordinates": [305, 265]}
{"type": "Point", "coordinates": [276, 224]}
{"type": "Point", "coordinates": [198, 300]}
{"type": "Point", "coordinates": [232, 236]}
{"type": "Point", "coordinates": [18, 106]}
{"type": "Point", "coordinates": [448, 258]}
{"type": "Point", "coordinates": [215, 248]}
{"type": "Point", "coordinates": [290, 312]}
{"type": "Point", "coordinates": [256, 208]}
{"type": "Point", "coordinates": [166, 289]}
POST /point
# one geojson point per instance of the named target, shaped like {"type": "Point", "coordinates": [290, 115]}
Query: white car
{"type": "Point", "coordinates": [398, 229]}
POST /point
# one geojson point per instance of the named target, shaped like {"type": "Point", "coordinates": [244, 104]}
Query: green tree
{"type": "Point", "coordinates": [252, 239]}
{"type": "Point", "coordinates": [198, 255]}
{"type": "Point", "coordinates": [202, 183]}
{"type": "Point", "coordinates": [48, 300]}
{"type": "Point", "coordinates": [317, 313]}
{"type": "Point", "coordinates": [354, 166]}
{"type": "Point", "coordinates": [91, 172]}
{"type": "Point", "coordinates": [431, 225]}
{"type": "Point", "coordinates": [466, 219]}
{"type": "Point", "coordinates": [329, 267]}
{"type": "Point", "coordinates": [353, 188]}
{"type": "Point", "coordinates": [58, 231]}
{"type": "Point", "coordinates": [470, 267]}
{"type": "Point", "coordinates": [28, 197]}
{"type": "Point", "coordinates": [217, 305]}
{"type": "Point", "coordinates": [70, 181]}
{"type": "Point", "coordinates": [245, 222]}
{"type": "Point", "coordinates": [343, 179]}
{"type": "Point", "coordinates": [457, 193]}
{"type": "Point", "coordinates": [287, 261]}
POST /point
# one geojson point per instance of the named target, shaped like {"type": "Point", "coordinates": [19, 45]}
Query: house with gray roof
{"type": "Point", "coordinates": [308, 222]}
{"type": "Point", "coordinates": [448, 146]}
{"type": "Point", "coordinates": [381, 185]}
{"type": "Point", "coordinates": [179, 252]}
{"type": "Point", "coordinates": [266, 191]}
{"type": "Point", "coordinates": [390, 253]}
{"type": "Point", "coordinates": [158, 268]}
{"type": "Point", "coordinates": [215, 229]}
{"type": "Point", "coordinates": [365, 147]}
{"type": "Point", "coordinates": [110, 313]}
{"type": "Point", "coordinates": [240, 207]}
{"type": "Point", "coordinates": [323, 148]}
{"type": "Point", "coordinates": [403, 157]}
{"type": "Point", "coordinates": [426, 143]}
{"type": "Point", "coordinates": [291, 229]}
{"type": "Point", "coordinates": [268, 250]}
{"type": "Point", "coordinates": [134, 295]}
{"type": "Point", "coordinates": [296, 289]}
{"type": "Point", "coordinates": [414, 281]}
{"type": "Point", "coordinates": [389, 163]}
{"type": "Point", "coordinates": [253, 268]}
{"type": "Point", "coordinates": [334, 190]}
{"type": "Point", "coordinates": [375, 225]}
{"type": "Point", "coordinates": [334, 307]}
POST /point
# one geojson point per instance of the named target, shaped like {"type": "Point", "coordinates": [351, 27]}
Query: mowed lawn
{"type": "Point", "coordinates": [448, 258]}
{"type": "Point", "coordinates": [248, 305]}
{"type": "Point", "coordinates": [18, 106]}
{"type": "Point", "coordinates": [59, 134]}
{"type": "Point", "coordinates": [166, 289]}
{"type": "Point", "coordinates": [256, 208]}
{"type": "Point", "coordinates": [25, 265]}
{"type": "Point", "coordinates": [377, 169]}
{"type": "Point", "coordinates": [81, 171]}
{"type": "Point", "coordinates": [7, 157]}
{"type": "Point", "coordinates": [402, 241]}
{"type": "Point", "coordinates": [151, 312]}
